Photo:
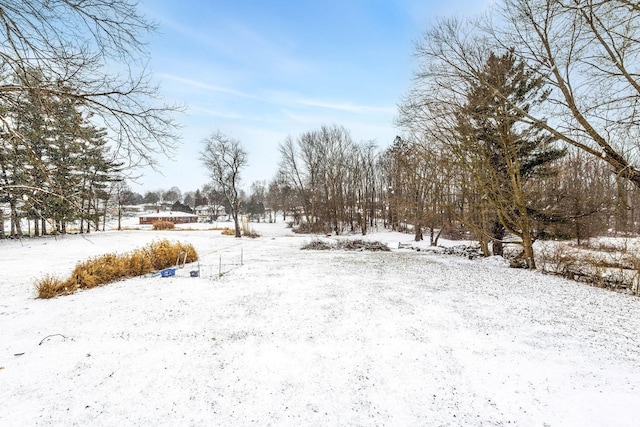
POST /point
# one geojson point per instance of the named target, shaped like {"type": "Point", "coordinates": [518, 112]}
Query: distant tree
{"type": "Point", "coordinates": [199, 199]}
{"type": "Point", "coordinates": [123, 196]}
{"type": "Point", "coordinates": [134, 199]}
{"type": "Point", "coordinates": [324, 169]}
{"type": "Point", "coordinates": [255, 205]}
{"type": "Point", "coordinates": [189, 199]}
{"type": "Point", "coordinates": [214, 197]}
{"type": "Point", "coordinates": [224, 157]}
{"type": "Point", "coordinates": [151, 197]}
{"type": "Point", "coordinates": [172, 195]}
{"type": "Point", "coordinates": [179, 207]}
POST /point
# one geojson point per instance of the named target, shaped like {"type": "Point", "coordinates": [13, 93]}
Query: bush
{"type": "Point", "coordinates": [317, 245]}
{"type": "Point", "coordinates": [603, 266]}
{"type": "Point", "coordinates": [49, 286]}
{"type": "Point", "coordinates": [109, 268]}
{"type": "Point", "coordinates": [315, 228]}
{"type": "Point", "coordinates": [164, 225]}
{"type": "Point", "coordinates": [347, 245]}
{"type": "Point", "coordinates": [247, 230]}
{"type": "Point", "coordinates": [362, 245]}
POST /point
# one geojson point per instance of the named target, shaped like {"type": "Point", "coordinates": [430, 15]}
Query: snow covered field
{"type": "Point", "coordinates": [298, 337]}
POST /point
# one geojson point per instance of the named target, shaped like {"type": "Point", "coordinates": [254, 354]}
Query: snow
{"type": "Point", "coordinates": [295, 337]}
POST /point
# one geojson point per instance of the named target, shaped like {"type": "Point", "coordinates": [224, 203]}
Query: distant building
{"type": "Point", "coordinates": [174, 217]}
{"type": "Point", "coordinates": [207, 213]}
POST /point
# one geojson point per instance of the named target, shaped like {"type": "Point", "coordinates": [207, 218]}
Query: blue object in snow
{"type": "Point", "coordinates": [168, 272]}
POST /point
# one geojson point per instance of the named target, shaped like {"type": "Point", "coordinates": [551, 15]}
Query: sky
{"type": "Point", "coordinates": [261, 71]}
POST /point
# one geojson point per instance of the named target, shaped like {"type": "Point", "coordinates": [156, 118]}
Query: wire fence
{"type": "Point", "coordinates": [225, 263]}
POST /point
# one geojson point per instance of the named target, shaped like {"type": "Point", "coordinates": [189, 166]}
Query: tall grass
{"type": "Point", "coordinates": [112, 267]}
{"type": "Point", "coordinates": [164, 225]}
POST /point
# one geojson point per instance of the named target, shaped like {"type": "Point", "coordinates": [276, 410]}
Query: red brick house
{"type": "Point", "coordinates": [174, 217]}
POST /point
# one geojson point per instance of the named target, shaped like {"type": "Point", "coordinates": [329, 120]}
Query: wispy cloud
{"type": "Point", "coordinates": [213, 113]}
{"type": "Point", "coordinates": [351, 108]}
{"type": "Point", "coordinates": [286, 99]}
{"type": "Point", "coordinates": [207, 86]}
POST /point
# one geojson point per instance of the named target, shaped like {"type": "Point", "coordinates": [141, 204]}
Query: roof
{"type": "Point", "coordinates": [167, 215]}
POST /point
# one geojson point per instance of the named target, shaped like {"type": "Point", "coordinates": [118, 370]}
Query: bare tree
{"type": "Point", "coordinates": [588, 53]}
{"type": "Point", "coordinates": [332, 176]}
{"type": "Point", "coordinates": [224, 157]}
{"type": "Point", "coordinates": [74, 46]}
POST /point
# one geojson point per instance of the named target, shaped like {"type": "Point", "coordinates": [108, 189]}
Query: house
{"type": "Point", "coordinates": [174, 217]}
{"type": "Point", "coordinates": [207, 213]}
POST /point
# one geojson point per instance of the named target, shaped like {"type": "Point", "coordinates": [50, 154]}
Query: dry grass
{"type": "Point", "coordinates": [164, 225]}
{"type": "Point", "coordinates": [111, 267]}
{"type": "Point", "coordinates": [49, 286]}
{"type": "Point", "coordinates": [228, 232]}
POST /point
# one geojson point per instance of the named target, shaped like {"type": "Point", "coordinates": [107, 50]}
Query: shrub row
{"type": "Point", "coordinates": [112, 267]}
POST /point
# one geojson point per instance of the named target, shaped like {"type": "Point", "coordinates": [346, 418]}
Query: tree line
{"type": "Point", "coordinates": [78, 110]}
{"type": "Point", "coordinates": [517, 126]}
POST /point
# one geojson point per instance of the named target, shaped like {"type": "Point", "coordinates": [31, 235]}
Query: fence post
{"type": "Point", "coordinates": [220, 266]}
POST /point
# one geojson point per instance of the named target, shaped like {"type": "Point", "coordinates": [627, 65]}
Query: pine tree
{"type": "Point", "coordinates": [502, 151]}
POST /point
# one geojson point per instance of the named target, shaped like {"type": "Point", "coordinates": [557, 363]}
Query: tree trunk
{"type": "Point", "coordinates": [36, 227]}
{"type": "Point", "coordinates": [418, 236]}
{"type": "Point", "coordinates": [498, 233]}
{"type": "Point", "coordinates": [527, 245]}
{"type": "Point", "coordinates": [236, 223]}
{"type": "Point", "coordinates": [16, 228]}
{"type": "Point", "coordinates": [434, 241]}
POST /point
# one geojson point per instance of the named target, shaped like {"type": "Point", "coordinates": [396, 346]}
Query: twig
{"type": "Point", "coordinates": [53, 335]}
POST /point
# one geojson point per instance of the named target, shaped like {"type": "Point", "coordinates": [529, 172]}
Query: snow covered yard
{"type": "Point", "coordinates": [312, 338]}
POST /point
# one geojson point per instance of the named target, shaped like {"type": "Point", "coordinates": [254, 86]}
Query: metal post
{"type": "Point", "coordinates": [241, 256]}
{"type": "Point", "coordinates": [220, 266]}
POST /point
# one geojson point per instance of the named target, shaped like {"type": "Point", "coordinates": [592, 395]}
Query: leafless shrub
{"type": "Point", "coordinates": [311, 228]}
{"type": "Point", "coordinates": [598, 265]}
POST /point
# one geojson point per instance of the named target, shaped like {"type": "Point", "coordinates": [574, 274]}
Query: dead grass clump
{"type": "Point", "coordinates": [228, 232]}
{"type": "Point", "coordinates": [111, 267]}
{"type": "Point", "coordinates": [164, 225]}
{"type": "Point", "coordinates": [49, 286]}
{"type": "Point", "coordinates": [247, 230]}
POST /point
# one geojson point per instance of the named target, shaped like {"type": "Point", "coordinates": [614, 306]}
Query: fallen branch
{"type": "Point", "coordinates": [52, 335]}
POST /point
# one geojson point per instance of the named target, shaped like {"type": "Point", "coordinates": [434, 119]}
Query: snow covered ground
{"type": "Point", "coordinates": [298, 337]}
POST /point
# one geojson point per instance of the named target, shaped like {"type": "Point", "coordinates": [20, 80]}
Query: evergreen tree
{"type": "Point", "coordinates": [501, 149]}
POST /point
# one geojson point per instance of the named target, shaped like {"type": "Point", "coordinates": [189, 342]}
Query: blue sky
{"type": "Point", "coordinates": [262, 70]}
